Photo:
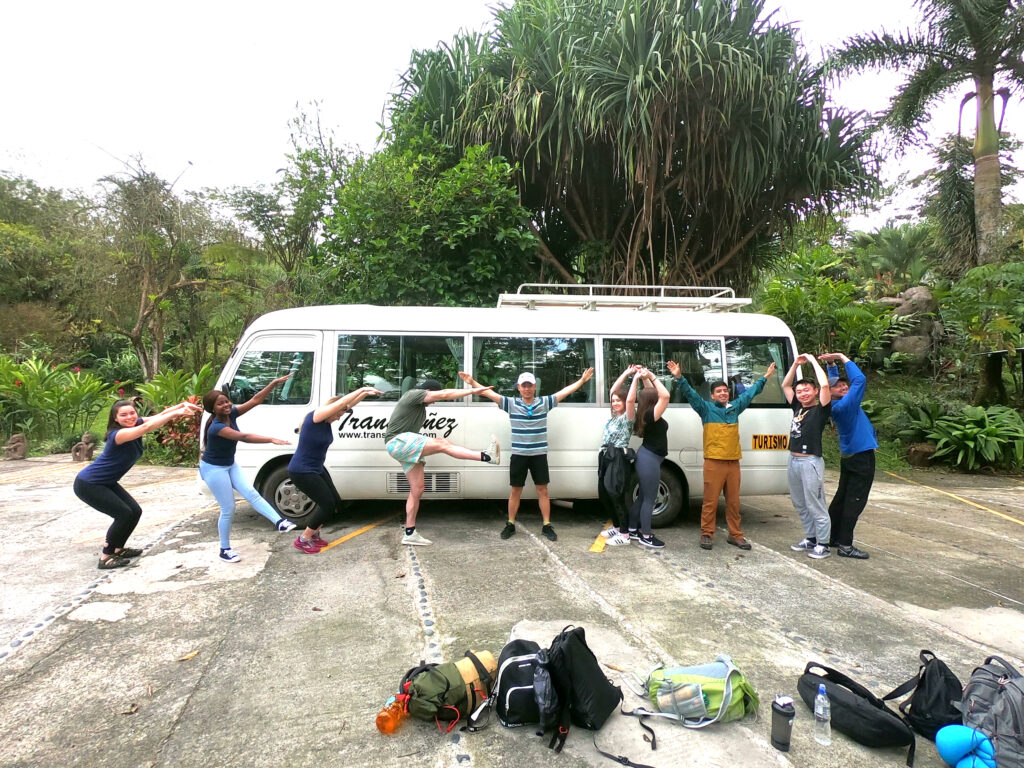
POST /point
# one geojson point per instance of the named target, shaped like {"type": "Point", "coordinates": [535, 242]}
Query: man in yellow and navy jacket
{"type": "Point", "coordinates": [721, 451]}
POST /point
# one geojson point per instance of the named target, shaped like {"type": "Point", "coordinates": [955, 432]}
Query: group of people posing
{"type": "Point", "coordinates": [637, 409]}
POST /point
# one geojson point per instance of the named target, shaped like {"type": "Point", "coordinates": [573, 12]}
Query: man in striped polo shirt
{"type": "Point", "coordinates": [529, 417]}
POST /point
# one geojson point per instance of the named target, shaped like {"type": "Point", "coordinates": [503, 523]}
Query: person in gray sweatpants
{"type": "Point", "coordinates": [811, 402]}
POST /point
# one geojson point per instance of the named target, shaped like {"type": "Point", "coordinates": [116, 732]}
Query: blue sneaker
{"type": "Point", "coordinates": [229, 555]}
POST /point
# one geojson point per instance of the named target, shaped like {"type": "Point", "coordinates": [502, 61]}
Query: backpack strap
{"type": "Point", "coordinates": [619, 758]}
{"type": "Point", "coordinates": [1010, 670]}
{"type": "Point", "coordinates": [473, 723]}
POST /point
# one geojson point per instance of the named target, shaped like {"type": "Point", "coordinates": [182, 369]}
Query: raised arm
{"type": "Point", "coordinates": [342, 404]}
{"type": "Point", "coordinates": [825, 395]}
{"type": "Point", "coordinates": [787, 382]}
{"type": "Point", "coordinates": [184, 408]}
{"type": "Point", "coordinates": [487, 392]}
{"type": "Point", "coordinates": [621, 380]}
{"type": "Point", "coordinates": [260, 396]}
{"type": "Point", "coordinates": [564, 392]}
{"type": "Point", "coordinates": [698, 403]}
{"type": "Point", "coordinates": [631, 395]}
{"type": "Point", "coordinates": [437, 395]}
{"type": "Point", "coordinates": [663, 394]}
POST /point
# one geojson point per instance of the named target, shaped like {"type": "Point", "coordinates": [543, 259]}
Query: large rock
{"type": "Point", "coordinates": [917, 349]}
{"type": "Point", "coordinates": [920, 454]}
{"type": "Point", "coordinates": [916, 300]}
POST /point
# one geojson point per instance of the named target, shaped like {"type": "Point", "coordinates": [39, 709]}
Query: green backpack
{"type": "Point", "coordinates": [447, 692]}
{"type": "Point", "coordinates": [698, 696]}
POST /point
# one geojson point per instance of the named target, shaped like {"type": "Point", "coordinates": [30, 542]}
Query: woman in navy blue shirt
{"type": "Point", "coordinates": [98, 484]}
{"type": "Point", "coordinates": [217, 465]}
{"type": "Point", "coordinates": [307, 469]}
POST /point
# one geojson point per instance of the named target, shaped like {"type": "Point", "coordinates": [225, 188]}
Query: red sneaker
{"type": "Point", "coordinates": [318, 541]}
{"type": "Point", "coordinates": [309, 547]}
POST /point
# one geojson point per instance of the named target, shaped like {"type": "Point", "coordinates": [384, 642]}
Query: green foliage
{"type": "Point", "coordinates": [823, 311]}
{"type": "Point", "coordinates": [172, 387]}
{"type": "Point", "coordinates": [44, 400]}
{"type": "Point", "coordinates": [979, 437]}
{"type": "Point", "coordinates": [922, 416]}
{"type": "Point", "coordinates": [120, 368]}
{"type": "Point", "coordinates": [676, 136]}
{"type": "Point", "coordinates": [985, 308]}
{"type": "Point", "coordinates": [417, 225]}
{"type": "Point", "coordinates": [892, 259]}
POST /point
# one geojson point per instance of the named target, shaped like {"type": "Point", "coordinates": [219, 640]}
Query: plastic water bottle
{"type": "Point", "coordinates": [391, 715]}
{"type": "Point", "coordinates": [822, 717]}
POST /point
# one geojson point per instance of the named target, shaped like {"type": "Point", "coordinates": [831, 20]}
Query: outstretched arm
{"type": "Point", "coordinates": [155, 422]}
{"type": "Point", "coordinates": [329, 411]}
{"type": "Point", "coordinates": [248, 437]}
{"type": "Point", "coordinates": [436, 395]}
{"type": "Point", "coordinates": [487, 392]}
{"type": "Point", "coordinates": [564, 392]}
{"type": "Point", "coordinates": [260, 396]}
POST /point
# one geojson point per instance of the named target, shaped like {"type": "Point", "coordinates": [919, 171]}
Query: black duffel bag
{"type": "Point", "coordinates": [856, 711]}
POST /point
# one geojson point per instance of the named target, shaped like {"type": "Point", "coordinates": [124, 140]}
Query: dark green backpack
{"type": "Point", "coordinates": [445, 693]}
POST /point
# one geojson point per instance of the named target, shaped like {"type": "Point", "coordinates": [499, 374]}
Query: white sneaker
{"type": "Point", "coordinates": [820, 552]}
{"type": "Point", "coordinates": [284, 525]}
{"type": "Point", "coordinates": [610, 531]}
{"type": "Point", "coordinates": [229, 555]}
{"type": "Point", "coordinates": [618, 540]}
{"type": "Point", "coordinates": [494, 450]}
{"type": "Point", "coordinates": [414, 539]}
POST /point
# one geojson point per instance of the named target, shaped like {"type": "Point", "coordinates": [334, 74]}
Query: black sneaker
{"type": "Point", "coordinates": [549, 533]}
{"type": "Point", "coordinates": [634, 535]}
{"type": "Point", "coordinates": [508, 531]}
{"type": "Point", "coordinates": [852, 551]}
{"type": "Point", "coordinates": [651, 542]}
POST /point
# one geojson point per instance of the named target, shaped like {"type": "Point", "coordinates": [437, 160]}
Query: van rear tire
{"type": "Point", "coordinates": [671, 500]}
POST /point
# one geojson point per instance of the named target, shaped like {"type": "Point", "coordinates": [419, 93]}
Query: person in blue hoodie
{"type": "Point", "coordinates": [857, 444]}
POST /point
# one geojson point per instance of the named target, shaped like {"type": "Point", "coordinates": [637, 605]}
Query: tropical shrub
{"type": "Point", "coordinates": [979, 437]}
{"type": "Point", "coordinates": [172, 387]}
{"type": "Point", "coordinates": [44, 400]}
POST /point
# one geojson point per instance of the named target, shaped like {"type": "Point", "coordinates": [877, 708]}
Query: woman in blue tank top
{"type": "Point", "coordinates": [307, 469]}
{"type": "Point", "coordinates": [219, 471]}
{"type": "Point", "coordinates": [98, 484]}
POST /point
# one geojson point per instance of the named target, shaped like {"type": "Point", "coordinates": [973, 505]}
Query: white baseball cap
{"type": "Point", "coordinates": [526, 378]}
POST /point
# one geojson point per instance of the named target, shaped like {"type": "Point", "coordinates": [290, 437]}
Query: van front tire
{"type": "Point", "coordinates": [282, 494]}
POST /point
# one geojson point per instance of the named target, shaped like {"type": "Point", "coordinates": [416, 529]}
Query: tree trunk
{"type": "Point", "coordinates": [991, 390]}
{"type": "Point", "coordinates": [987, 184]}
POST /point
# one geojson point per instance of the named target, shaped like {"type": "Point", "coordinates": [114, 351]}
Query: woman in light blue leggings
{"type": "Point", "coordinates": [219, 470]}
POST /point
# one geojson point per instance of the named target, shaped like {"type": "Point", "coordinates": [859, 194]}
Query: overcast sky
{"type": "Point", "coordinates": [205, 90]}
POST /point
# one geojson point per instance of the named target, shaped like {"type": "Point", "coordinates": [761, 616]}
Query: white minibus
{"type": "Point", "coordinates": [555, 332]}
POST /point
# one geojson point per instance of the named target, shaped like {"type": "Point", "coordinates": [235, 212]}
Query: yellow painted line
{"type": "Point", "coordinates": [958, 498]}
{"type": "Point", "coordinates": [600, 542]}
{"type": "Point", "coordinates": [352, 535]}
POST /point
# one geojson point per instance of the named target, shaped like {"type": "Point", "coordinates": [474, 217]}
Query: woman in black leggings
{"type": "Point", "coordinates": [98, 484]}
{"type": "Point", "coordinates": [651, 404]}
{"type": "Point", "coordinates": [307, 469]}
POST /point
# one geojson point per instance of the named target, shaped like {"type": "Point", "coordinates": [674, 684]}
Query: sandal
{"type": "Point", "coordinates": [113, 561]}
{"type": "Point", "coordinates": [129, 552]}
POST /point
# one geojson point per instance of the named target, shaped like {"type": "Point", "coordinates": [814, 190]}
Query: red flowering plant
{"type": "Point", "coordinates": [178, 440]}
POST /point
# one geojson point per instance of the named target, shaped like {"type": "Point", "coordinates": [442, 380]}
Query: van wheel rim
{"type": "Point", "coordinates": [292, 502]}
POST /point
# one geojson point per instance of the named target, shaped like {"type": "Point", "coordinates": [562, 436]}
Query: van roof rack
{"type": "Point", "coordinates": [650, 298]}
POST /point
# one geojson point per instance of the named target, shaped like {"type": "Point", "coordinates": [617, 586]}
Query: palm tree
{"type": "Point", "coordinates": [961, 41]}
{"type": "Point", "coordinates": [658, 140]}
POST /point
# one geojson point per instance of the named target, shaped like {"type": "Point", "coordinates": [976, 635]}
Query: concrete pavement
{"type": "Point", "coordinates": [284, 658]}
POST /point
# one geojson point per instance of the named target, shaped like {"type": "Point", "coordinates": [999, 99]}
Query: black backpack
{"type": "Point", "coordinates": [586, 696]}
{"type": "Point", "coordinates": [514, 699]}
{"type": "Point", "coordinates": [856, 711]}
{"type": "Point", "coordinates": [935, 701]}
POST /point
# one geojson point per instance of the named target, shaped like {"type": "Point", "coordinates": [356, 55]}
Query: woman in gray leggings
{"type": "Point", "coordinates": [651, 404]}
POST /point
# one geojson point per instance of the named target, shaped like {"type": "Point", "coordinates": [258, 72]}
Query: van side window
{"type": "Point", "coordinates": [747, 358]}
{"type": "Point", "coordinates": [699, 359]}
{"type": "Point", "coordinates": [556, 362]}
{"type": "Point", "coordinates": [396, 364]}
{"type": "Point", "coordinates": [259, 368]}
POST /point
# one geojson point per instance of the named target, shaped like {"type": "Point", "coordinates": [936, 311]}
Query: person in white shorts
{"type": "Point", "coordinates": [405, 444]}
